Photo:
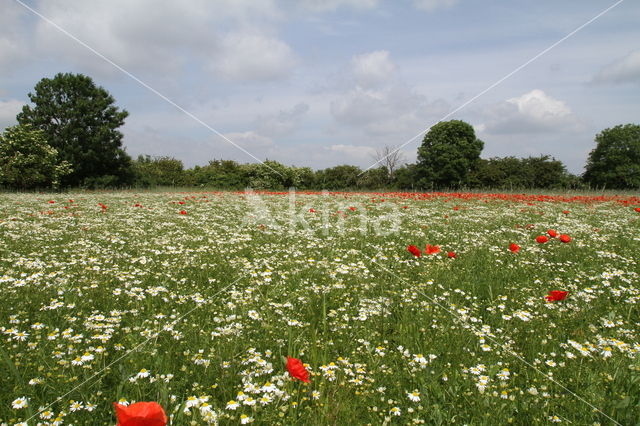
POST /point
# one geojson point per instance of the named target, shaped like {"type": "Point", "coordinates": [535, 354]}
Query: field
{"type": "Point", "coordinates": [194, 300]}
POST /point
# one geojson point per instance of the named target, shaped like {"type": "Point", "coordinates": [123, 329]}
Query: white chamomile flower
{"type": "Point", "coordinates": [20, 403]}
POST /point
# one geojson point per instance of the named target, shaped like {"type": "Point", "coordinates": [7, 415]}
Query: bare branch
{"type": "Point", "coordinates": [390, 158]}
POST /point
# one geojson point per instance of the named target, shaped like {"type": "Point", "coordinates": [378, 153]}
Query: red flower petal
{"type": "Point", "coordinates": [414, 251]}
{"type": "Point", "coordinates": [296, 369]}
{"type": "Point", "coordinates": [541, 239]}
{"type": "Point", "coordinates": [140, 414]}
{"type": "Point", "coordinates": [556, 295]}
{"type": "Point", "coordinates": [514, 247]}
{"type": "Point", "coordinates": [565, 238]}
{"type": "Point", "coordinates": [432, 249]}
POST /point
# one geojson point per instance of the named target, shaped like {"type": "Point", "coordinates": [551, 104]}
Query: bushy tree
{"type": "Point", "coordinates": [406, 177]}
{"type": "Point", "coordinates": [545, 172]}
{"type": "Point", "coordinates": [81, 121]}
{"type": "Point", "coordinates": [222, 174]}
{"type": "Point", "coordinates": [615, 161]}
{"type": "Point", "coordinates": [511, 172]}
{"type": "Point", "coordinates": [338, 177]}
{"type": "Point", "coordinates": [449, 152]}
{"type": "Point", "coordinates": [377, 178]}
{"type": "Point", "coordinates": [499, 173]}
{"type": "Point", "coordinates": [272, 175]}
{"type": "Point", "coordinates": [27, 161]}
{"type": "Point", "coordinates": [305, 177]}
{"type": "Point", "coordinates": [163, 171]}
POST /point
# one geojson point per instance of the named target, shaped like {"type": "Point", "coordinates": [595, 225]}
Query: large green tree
{"type": "Point", "coordinates": [80, 120]}
{"type": "Point", "coordinates": [449, 152]}
{"type": "Point", "coordinates": [27, 161]}
{"type": "Point", "coordinates": [615, 161]}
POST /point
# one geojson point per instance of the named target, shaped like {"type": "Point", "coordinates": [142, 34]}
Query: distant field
{"type": "Point", "coordinates": [194, 300]}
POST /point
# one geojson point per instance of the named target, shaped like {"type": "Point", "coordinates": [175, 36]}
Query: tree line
{"type": "Point", "coordinates": [498, 173]}
{"type": "Point", "coordinates": [68, 137]}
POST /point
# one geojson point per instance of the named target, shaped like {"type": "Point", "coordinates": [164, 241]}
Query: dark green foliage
{"type": "Point", "coordinates": [223, 174]}
{"type": "Point", "coordinates": [80, 120]}
{"type": "Point", "coordinates": [406, 177]}
{"type": "Point", "coordinates": [512, 172]}
{"type": "Point", "coordinates": [338, 177]}
{"type": "Point", "coordinates": [615, 161]}
{"type": "Point", "coordinates": [160, 171]}
{"type": "Point", "coordinates": [272, 175]}
{"type": "Point", "coordinates": [377, 178]}
{"type": "Point", "coordinates": [449, 152]}
{"type": "Point", "coordinates": [227, 174]}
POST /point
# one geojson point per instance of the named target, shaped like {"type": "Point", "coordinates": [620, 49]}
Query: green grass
{"type": "Point", "coordinates": [213, 301]}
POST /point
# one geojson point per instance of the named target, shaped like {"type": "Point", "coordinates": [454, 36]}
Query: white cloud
{"type": "Point", "coordinates": [534, 111]}
{"type": "Point", "coordinates": [282, 123]}
{"type": "Point", "coordinates": [539, 106]}
{"type": "Point", "coordinates": [136, 35]}
{"type": "Point", "coordinates": [145, 36]}
{"type": "Point", "coordinates": [250, 140]}
{"type": "Point", "coordinates": [394, 109]}
{"type": "Point", "coordinates": [13, 39]}
{"type": "Point", "coordinates": [430, 5]}
{"type": "Point", "coordinates": [246, 56]}
{"type": "Point", "coordinates": [354, 152]}
{"type": "Point", "coordinates": [331, 5]}
{"type": "Point", "coordinates": [373, 68]}
{"type": "Point", "coordinates": [8, 111]}
{"type": "Point", "coordinates": [623, 70]}
{"type": "Point", "coordinates": [373, 102]}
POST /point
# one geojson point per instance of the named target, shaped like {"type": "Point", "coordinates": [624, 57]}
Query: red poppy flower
{"type": "Point", "coordinates": [181, 202]}
{"type": "Point", "coordinates": [52, 202]}
{"type": "Point", "coordinates": [552, 233]}
{"type": "Point", "coordinates": [297, 370]}
{"type": "Point", "coordinates": [432, 249]}
{"type": "Point", "coordinates": [541, 239]}
{"type": "Point", "coordinates": [414, 251]}
{"type": "Point", "coordinates": [637, 209]}
{"type": "Point", "coordinates": [312, 210]}
{"type": "Point", "coordinates": [514, 247]}
{"type": "Point", "coordinates": [140, 414]}
{"type": "Point", "coordinates": [183, 212]}
{"type": "Point", "coordinates": [556, 295]}
{"type": "Point", "coordinates": [565, 238]}
{"type": "Point", "coordinates": [565, 211]}
{"type": "Point", "coordinates": [353, 209]}
{"type": "Point", "coordinates": [451, 254]}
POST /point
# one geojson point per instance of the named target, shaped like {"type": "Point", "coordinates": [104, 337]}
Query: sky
{"type": "Point", "coordinates": [322, 83]}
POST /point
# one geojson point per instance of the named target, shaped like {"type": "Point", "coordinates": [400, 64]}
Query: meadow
{"type": "Point", "coordinates": [195, 299]}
